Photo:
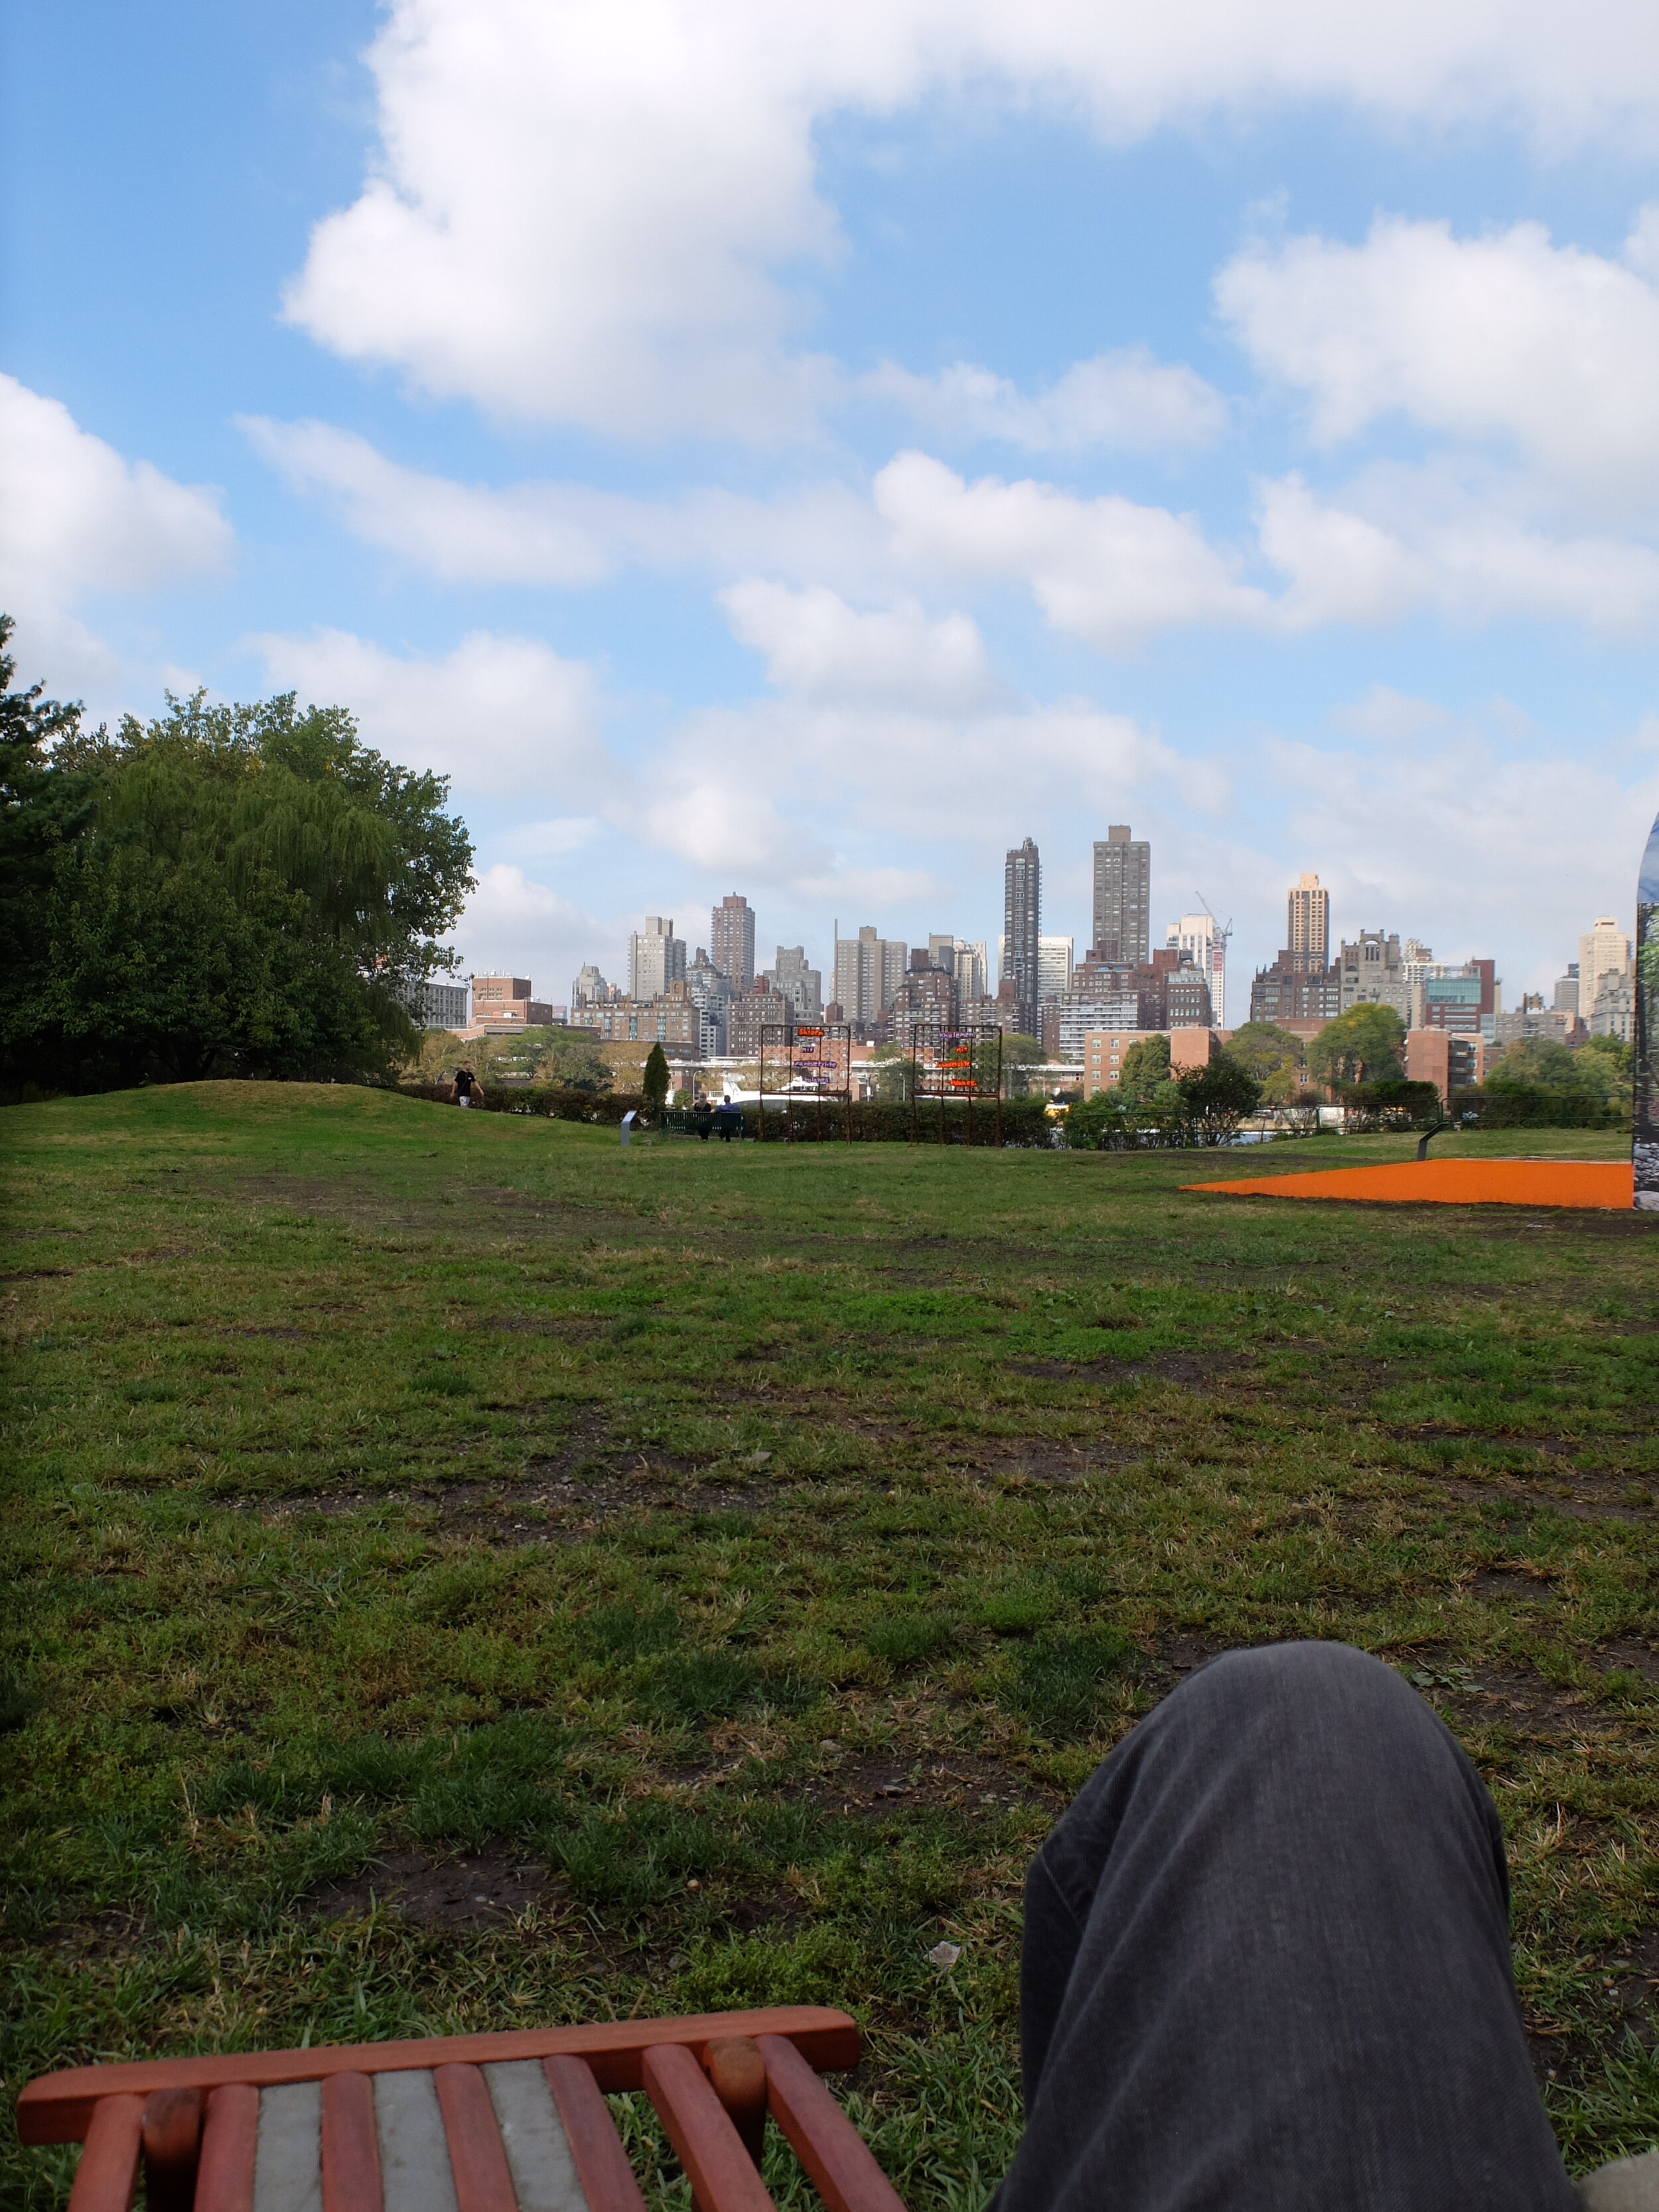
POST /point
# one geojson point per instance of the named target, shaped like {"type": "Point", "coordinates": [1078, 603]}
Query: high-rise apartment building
{"type": "Point", "coordinates": [869, 970]}
{"type": "Point", "coordinates": [589, 987]}
{"type": "Point", "coordinates": [731, 938]}
{"type": "Point", "coordinates": [1566, 991]}
{"type": "Point", "coordinates": [1055, 957]}
{"type": "Point", "coordinates": [656, 959]}
{"type": "Point", "coordinates": [1308, 924]}
{"type": "Point", "coordinates": [802, 986]}
{"type": "Point", "coordinates": [1123, 898]}
{"type": "Point", "coordinates": [1022, 925]}
{"type": "Point", "coordinates": [1197, 938]}
{"type": "Point", "coordinates": [1372, 971]}
{"type": "Point", "coordinates": [1603, 950]}
{"type": "Point", "coordinates": [965, 959]}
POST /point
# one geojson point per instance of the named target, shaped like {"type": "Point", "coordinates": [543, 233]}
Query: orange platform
{"type": "Point", "coordinates": [1607, 1184]}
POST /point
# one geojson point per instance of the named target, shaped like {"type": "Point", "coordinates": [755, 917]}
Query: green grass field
{"type": "Point", "coordinates": [464, 1573]}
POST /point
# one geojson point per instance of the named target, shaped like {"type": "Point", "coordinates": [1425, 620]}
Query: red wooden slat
{"type": "Point", "coordinates": [171, 2134]}
{"type": "Point", "coordinates": [606, 2178]}
{"type": "Point", "coordinates": [837, 2160]}
{"type": "Point", "coordinates": [722, 2172]}
{"type": "Point", "coordinates": [58, 2107]}
{"type": "Point", "coordinates": [230, 2139]}
{"type": "Point", "coordinates": [351, 2146]}
{"type": "Point", "coordinates": [483, 2181]}
{"type": "Point", "coordinates": [736, 2074]}
{"type": "Point", "coordinates": [108, 2172]}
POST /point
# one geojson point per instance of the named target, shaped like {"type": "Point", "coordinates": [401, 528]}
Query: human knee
{"type": "Point", "coordinates": [1310, 1690]}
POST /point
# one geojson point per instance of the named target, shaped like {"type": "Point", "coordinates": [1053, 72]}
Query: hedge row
{"type": "Point", "coordinates": [801, 1121]}
{"type": "Point", "coordinates": [1534, 1108]}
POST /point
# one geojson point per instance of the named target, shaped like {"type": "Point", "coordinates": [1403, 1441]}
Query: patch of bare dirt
{"type": "Point", "coordinates": [458, 1895]}
{"type": "Point", "coordinates": [872, 1786]}
{"type": "Point", "coordinates": [1630, 1656]}
{"type": "Point", "coordinates": [1584, 1500]}
{"type": "Point", "coordinates": [1043, 1465]}
{"type": "Point", "coordinates": [1193, 1371]}
{"type": "Point", "coordinates": [34, 1274]}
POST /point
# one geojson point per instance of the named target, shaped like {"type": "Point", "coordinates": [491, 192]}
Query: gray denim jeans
{"type": "Point", "coordinates": [1266, 1964]}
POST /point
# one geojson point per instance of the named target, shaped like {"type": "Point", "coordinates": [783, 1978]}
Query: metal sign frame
{"type": "Point", "coordinates": [958, 1070]}
{"type": "Point", "coordinates": [817, 1063]}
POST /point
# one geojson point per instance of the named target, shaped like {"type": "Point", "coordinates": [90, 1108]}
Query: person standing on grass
{"type": "Point", "coordinates": [465, 1089]}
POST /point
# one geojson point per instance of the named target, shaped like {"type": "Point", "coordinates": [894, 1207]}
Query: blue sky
{"type": "Point", "coordinates": [805, 452]}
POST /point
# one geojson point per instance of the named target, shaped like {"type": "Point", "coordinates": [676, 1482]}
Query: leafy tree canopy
{"type": "Point", "coordinates": [1364, 1045]}
{"type": "Point", "coordinates": [1218, 1097]}
{"type": "Point", "coordinates": [1145, 1072]}
{"type": "Point", "coordinates": [1598, 1069]}
{"type": "Point", "coordinates": [226, 890]}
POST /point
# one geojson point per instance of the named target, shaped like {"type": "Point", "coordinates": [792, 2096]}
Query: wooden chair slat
{"type": "Point", "coordinates": [58, 2107]}
{"type": "Point", "coordinates": [351, 2146]}
{"type": "Point", "coordinates": [230, 2136]}
{"type": "Point", "coordinates": [838, 2162]}
{"type": "Point", "coordinates": [414, 2175]}
{"type": "Point", "coordinates": [171, 2134]}
{"type": "Point", "coordinates": [537, 2147]}
{"type": "Point", "coordinates": [107, 2175]}
{"type": "Point", "coordinates": [483, 2181]}
{"type": "Point", "coordinates": [596, 2149]}
{"type": "Point", "coordinates": [722, 2172]}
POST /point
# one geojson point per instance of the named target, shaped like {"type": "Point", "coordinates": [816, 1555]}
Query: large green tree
{"type": "Point", "coordinates": [1274, 1056]}
{"type": "Point", "coordinates": [1364, 1045]}
{"type": "Point", "coordinates": [226, 890]}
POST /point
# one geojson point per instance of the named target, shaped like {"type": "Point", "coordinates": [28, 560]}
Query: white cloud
{"type": "Point", "coordinates": [1511, 849]}
{"type": "Point", "coordinates": [1104, 569]}
{"type": "Point", "coordinates": [599, 212]}
{"type": "Point", "coordinates": [77, 518]}
{"type": "Point", "coordinates": [501, 715]}
{"type": "Point", "coordinates": [1405, 539]}
{"type": "Point", "coordinates": [514, 925]}
{"type": "Point", "coordinates": [815, 643]}
{"type": "Point", "coordinates": [564, 533]}
{"type": "Point", "coordinates": [1550, 350]}
{"type": "Point", "coordinates": [1124, 401]}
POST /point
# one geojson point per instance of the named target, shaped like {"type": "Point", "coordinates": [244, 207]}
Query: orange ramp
{"type": "Point", "coordinates": [1607, 1184]}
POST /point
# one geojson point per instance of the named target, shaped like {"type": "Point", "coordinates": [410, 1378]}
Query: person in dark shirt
{"type": "Point", "coordinates": [702, 1119]}
{"type": "Point", "coordinates": [465, 1089]}
{"type": "Point", "coordinates": [728, 1121]}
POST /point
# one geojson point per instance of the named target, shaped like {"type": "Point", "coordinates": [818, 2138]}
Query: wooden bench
{"type": "Point", "coordinates": [509, 2123]}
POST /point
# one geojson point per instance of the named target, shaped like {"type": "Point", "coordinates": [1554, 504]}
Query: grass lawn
{"type": "Point", "coordinates": [463, 1573]}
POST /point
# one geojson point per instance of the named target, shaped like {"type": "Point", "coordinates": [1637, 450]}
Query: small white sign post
{"type": "Point", "coordinates": [628, 1121]}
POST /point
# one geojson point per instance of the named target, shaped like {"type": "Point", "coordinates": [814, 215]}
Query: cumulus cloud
{"type": "Point", "coordinates": [1471, 884]}
{"type": "Point", "coordinates": [77, 518]}
{"type": "Point", "coordinates": [1405, 539]}
{"type": "Point", "coordinates": [501, 715]}
{"type": "Point", "coordinates": [1550, 351]}
{"type": "Point", "coordinates": [564, 533]}
{"type": "Point", "coordinates": [815, 644]}
{"type": "Point", "coordinates": [1105, 569]}
{"type": "Point", "coordinates": [601, 212]}
{"type": "Point", "coordinates": [1124, 402]}
{"type": "Point", "coordinates": [513, 925]}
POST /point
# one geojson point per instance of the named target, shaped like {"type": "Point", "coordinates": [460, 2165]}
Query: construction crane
{"type": "Point", "coordinates": [1217, 968]}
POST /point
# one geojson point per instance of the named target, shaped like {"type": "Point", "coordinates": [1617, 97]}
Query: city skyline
{"type": "Point", "coordinates": [943, 428]}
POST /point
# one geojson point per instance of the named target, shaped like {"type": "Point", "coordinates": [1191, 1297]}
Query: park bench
{"type": "Point", "coordinates": [515, 2121]}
